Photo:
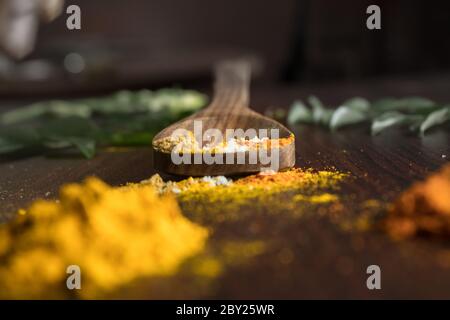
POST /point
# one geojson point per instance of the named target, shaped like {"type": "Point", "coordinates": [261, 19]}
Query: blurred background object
{"type": "Point", "coordinates": [142, 44]}
{"type": "Point", "coordinates": [19, 21]}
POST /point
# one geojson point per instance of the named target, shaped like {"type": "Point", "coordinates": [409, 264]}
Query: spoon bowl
{"type": "Point", "coordinates": [228, 113]}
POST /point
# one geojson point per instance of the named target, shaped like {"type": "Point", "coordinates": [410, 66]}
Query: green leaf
{"type": "Point", "coordinates": [345, 115]}
{"type": "Point", "coordinates": [358, 104]}
{"type": "Point", "coordinates": [408, 104]}
{"type": "Point", "coordinates": [23, 135]}
{"type": "Point", "coordinates": [435, 118]}
{"type": "Point", "coordinates": [22, 114]}
{"type": "Point", "coordinates": [18, 139]}
{"type": "Point", "coordinates": [57, 143]}
{"type": "Point", "coordinates": [123, 118]}
{"type": "Point", "coordinates": [77, 132]}
{"type": "Point", "coordinates": [56, 129]}
{"type": "Point", "coordinates": [299, 113]}
{"type": "Point", "coordinates": [131, 139]}
{"type": "Point", "coordinates": [8, 146]}
{"type": "Point", "coordinates": [414, 124]}
{"type": "Point", "coordinates": [121, 102]}
{"type": "Point", "coordinates": [320, 114]}
{"type": "Point", "coordinates": [50, 108]}
{"type": "Point", "coordinates": [176, 101]}
{"type": "Point", "coordinates": [387, 120]}
{"type": "Point", "coordinates": [417, 103]}
{"type": "Point", "coordinates": [172, 101]}
{"type": "Point", "coordinates": [85, 145]}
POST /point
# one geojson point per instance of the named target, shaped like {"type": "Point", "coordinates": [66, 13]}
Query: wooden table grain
{"type": "Point", "coordinates": [325, 260]}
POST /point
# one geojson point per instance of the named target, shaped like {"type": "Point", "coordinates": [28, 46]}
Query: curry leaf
{"type": "Point", "coordinates": [417, 112]}
{"type": "Point", "coordinates": [172, 101]}
{"type": "Point", "coordinates": [7, 146]}
{"type": "Point", "coordinates": [387, 120]}
{"type": "Point", "coordinates": [22, 114]}
{"type": "Point", "coordinates": [358, 104]}
{"type": "Point", "coordinates": [57, 143]}
{"type": "Point", "coordinates": [435, 118]}
{"type": "Point", "coordinates": [123, 118]}
{"type": "Point", "coordinates": [52, 108]}
{"type": "Point", "coordinates": [131, 139]}
{"type": "Point", "coordinates": [345, 115]}
{"type": "Point", "coordinates": [299, 113]}
{"type": "Point", "coordinates": [85, 145]}
{"type": "Point", "coordinates": [393, 118]}
{"type": "Point", "coordinates": [20, 135]}
{"type": "Point", "coordinates": [408, 104]}
{"type": "Point", "coordinates": [416, 122]}
{"type": "Point", "coordinates": [320, 114]}
{"type": "Point", "coordinates": [69, 127]}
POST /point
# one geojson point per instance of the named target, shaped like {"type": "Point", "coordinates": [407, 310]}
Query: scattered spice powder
{"type": "Point", "coordinates": [118, 235]}
{"type": "Point", "coordinates": [229, 253]}
{"type": "Point", "coordinates": [115, 236]}
{"type": "Point", "coordinates": [323, 198]}
{"type": "Point", "coordinates": [272, 182]}
{"type": "Point", "coordinates": [367, 217]}
{"type": "Point", "coordinates": [212, 200]}
{"type": "Point", "coordinates": [423, 209]}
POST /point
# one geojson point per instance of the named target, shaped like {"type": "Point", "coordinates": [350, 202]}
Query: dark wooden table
{"type": "Point", "coordinates": [325, 261]}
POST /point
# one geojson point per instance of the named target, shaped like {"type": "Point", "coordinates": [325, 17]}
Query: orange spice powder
{"type": "Point", "coordinates": [423, 209]}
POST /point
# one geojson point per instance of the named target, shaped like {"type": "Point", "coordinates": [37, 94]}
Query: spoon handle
{"type": "Point", "coordinates": [231, 87]}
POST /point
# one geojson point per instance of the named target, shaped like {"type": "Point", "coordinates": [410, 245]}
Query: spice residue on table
{"type": "Point", "coordinates": [212, 200]}
{"type": "Point", "coordinates": [119, 234]}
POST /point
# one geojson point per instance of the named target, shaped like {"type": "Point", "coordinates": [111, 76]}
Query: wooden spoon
{"type": "Point", "coordinates": [229, 109]}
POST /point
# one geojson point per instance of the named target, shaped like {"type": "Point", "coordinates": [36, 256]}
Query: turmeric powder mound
{"type": "Point", "coordinates": [114, 235]}
{"type": "Point", "coordinates": [422, 209]}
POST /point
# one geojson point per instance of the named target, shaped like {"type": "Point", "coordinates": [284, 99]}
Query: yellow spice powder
{"type": "Point", "coordinates": [188, 144]}
{"type": "Point", "coordinates": [292, 191]}
{"type": "Point", "coordinates": [115, 235]}
{"type": "Point", "coordinates": [322, 198]}
{"type": "Point", "coordinates": [264, 183]}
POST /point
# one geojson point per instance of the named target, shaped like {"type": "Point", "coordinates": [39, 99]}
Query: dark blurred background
{"type": "Point", "coordinates": [141, 43]}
